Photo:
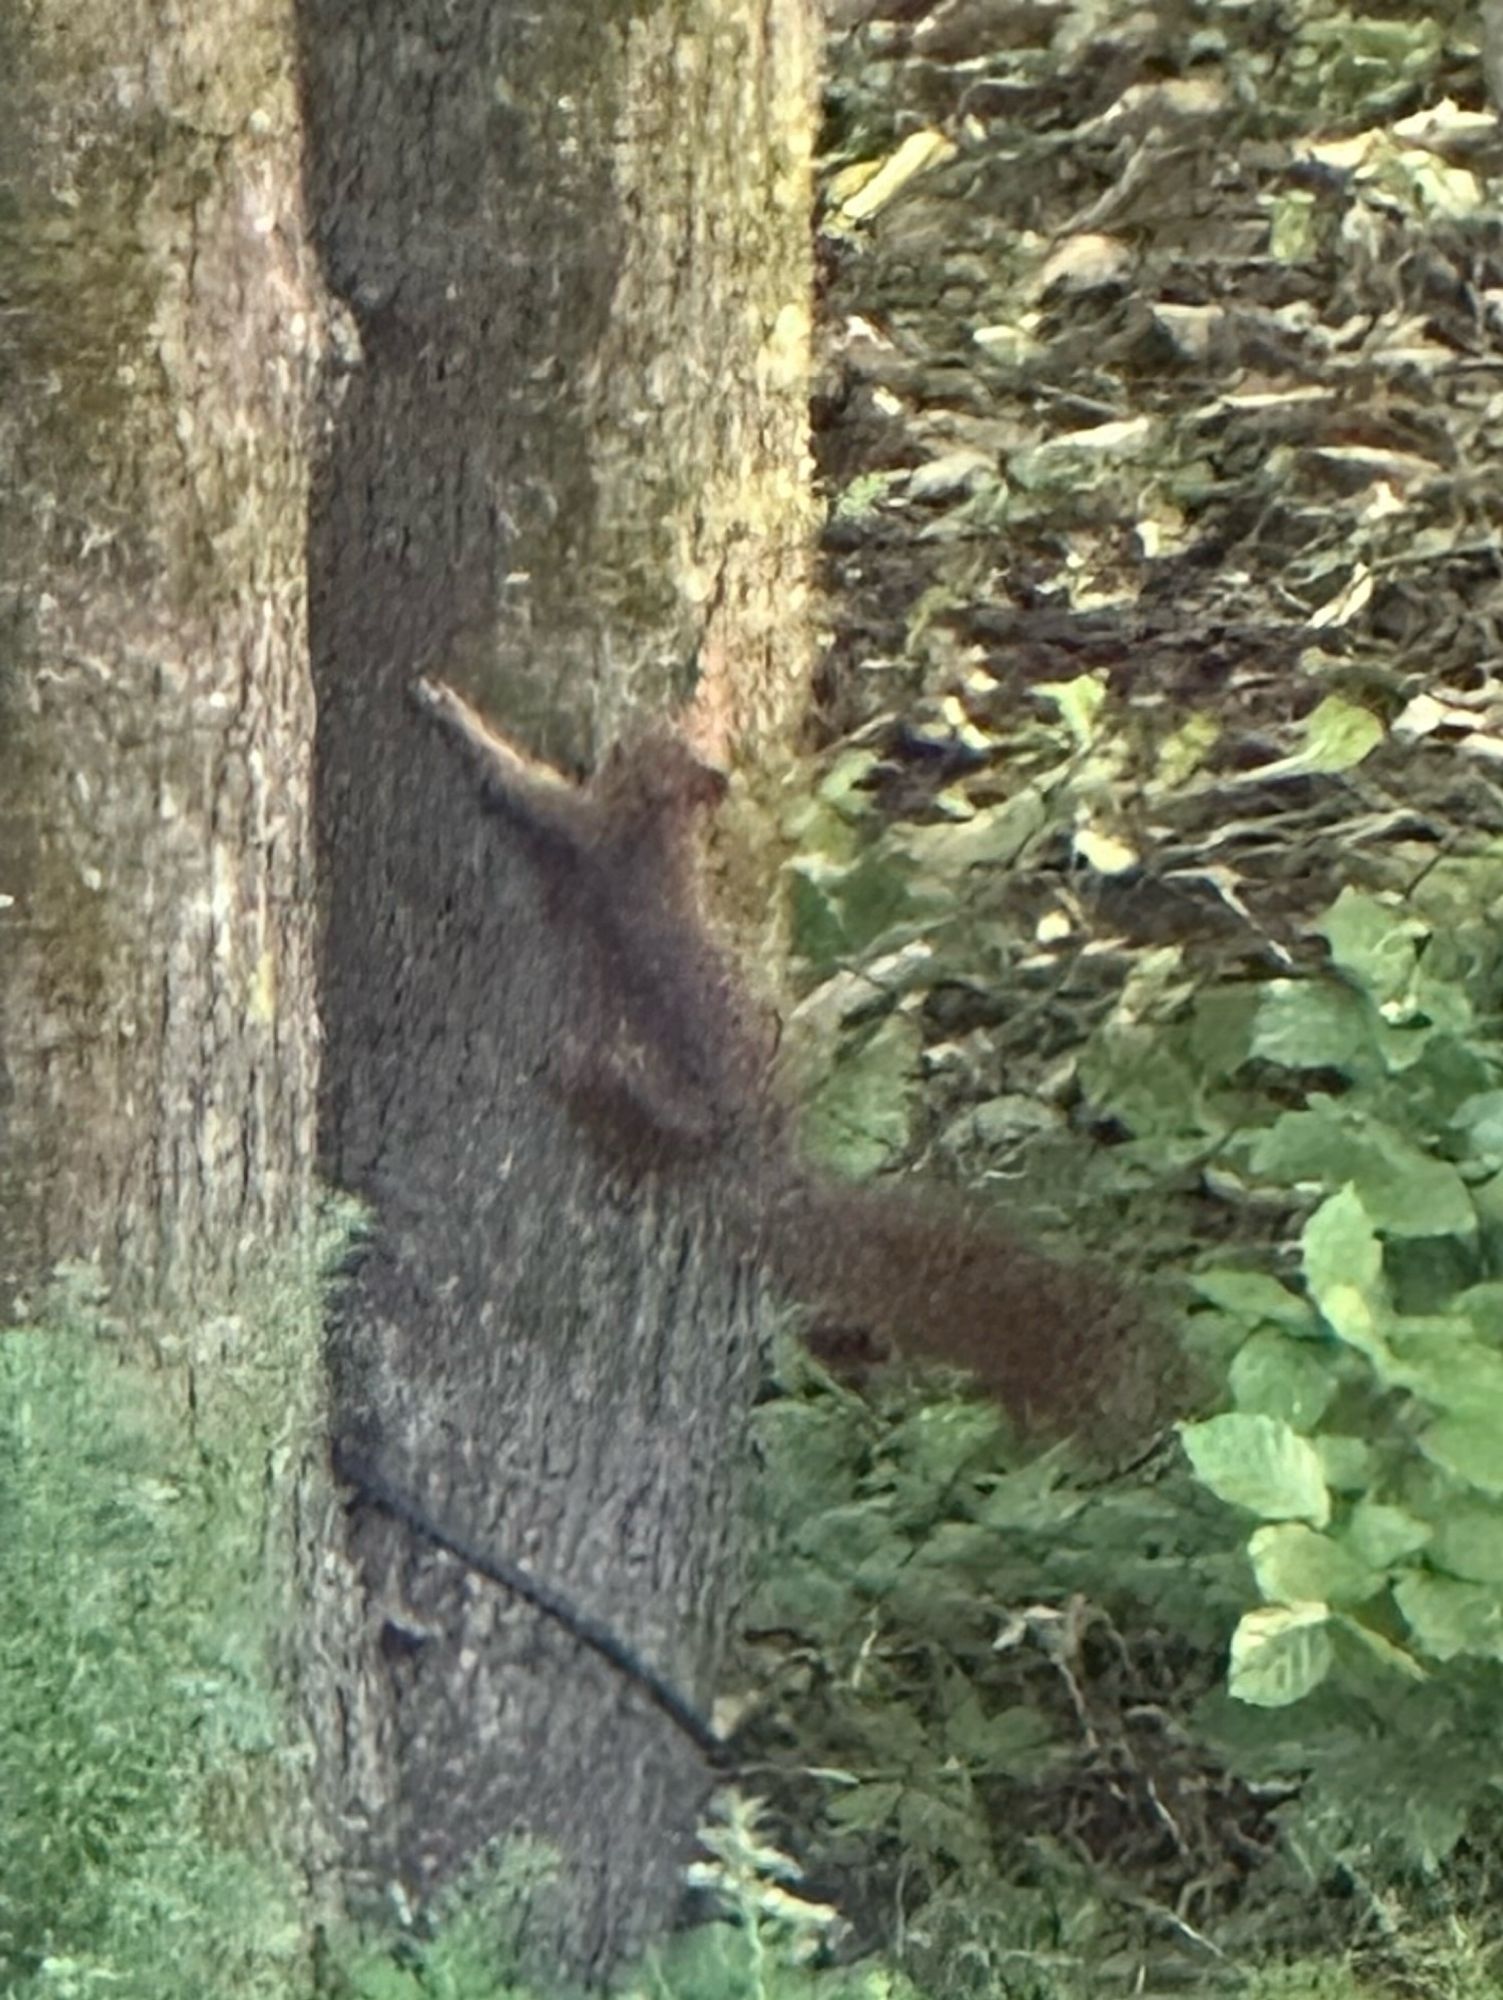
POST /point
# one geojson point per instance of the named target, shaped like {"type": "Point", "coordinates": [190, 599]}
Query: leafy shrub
{"type": "Point", "coordinates": [1366, 1432]}
{"type": "Point", "coordinates": [1346, 1118]}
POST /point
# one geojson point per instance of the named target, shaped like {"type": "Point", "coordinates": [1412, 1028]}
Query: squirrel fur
{"type": "Point", "coordinates": [672, 1062]}
{"type": "Point", "coordinates": [682, 1068]}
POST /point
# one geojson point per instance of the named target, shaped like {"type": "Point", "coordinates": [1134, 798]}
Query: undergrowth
{"type": "Point", "coordinates": [145, 1758]}
{"type": "Point", "coordinates": [1058, 1728]}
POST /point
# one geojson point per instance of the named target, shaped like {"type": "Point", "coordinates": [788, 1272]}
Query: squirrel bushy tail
{"type": "Point", "coordinates": [935, 1276]}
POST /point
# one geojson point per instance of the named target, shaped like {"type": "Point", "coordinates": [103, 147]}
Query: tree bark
{"type": "Point", "coordinates": [163, 336]}
{"type": "Point", "coordinates": [570, 474]}
{"type": "Point", "coordinates": [160, 342]}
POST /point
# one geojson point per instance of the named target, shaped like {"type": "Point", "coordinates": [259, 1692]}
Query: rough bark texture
{"type": "Point", "coordinates": [162, 334]}
{"type": "Point", "coordinates": [569, 475]}
{"type": "Point", "coordinates": [160, 337]}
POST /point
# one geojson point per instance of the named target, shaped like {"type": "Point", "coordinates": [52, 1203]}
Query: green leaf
{"type": "Point", "coordinates": [1079, 702]}
{"type": "Point", "coordinates": [1395, 1658]}
{"type": "Point", "coordinates": [1440, 1008]}
{"type": "Point", "coordinates": [1279, 1654]}
{"type": "Point", "coordinates": [870, 1806]}
{"type": "Point", "coordinates": [1314, 1024]}
{"type": "Point", "coordinates": [1221, 1029]}
{"type": "Point", "coordinates": [940, 1439]}
{"type": "Point", "coordinates": [928, 1825]}
{"type": "Point", "coordinates": [1146, 1082]}
{"type": "Point", "coordinates": [1438, 1357]}
{"type": "Point", "coordinates": [1483, 1306]}
{"type": "Point", "coordinates": [811, 1451]}
{"type": "Point", "coordinates": [1449, 1618]}
{"type": "Point", "coordinates": [1339, 1246]}
{"type": "Point", "coordinates": [844, 784]}
{"type": "Point", "coordinates": [1279, 1377]}
{"type": "Point", "coordinates": [817, 932]}
{"type": "Point", "coordinates": [876, 895]}
{"type": "Point", "coordinates": [383, 1979]}
{"type": "Point", "coordinates": [992, 837]}
{"type": "Point", "coordinates": [858, 1120]}
{"type": "Point", "coordinates": [801, 1596]}
{"type": "Point", "coordinates": [1338, 735]}
{"type": "Point", "coordinates": [1468, 1541]}
{"type": "Point", "coordinates": [1383, 1535]}
{"type": "Point", "coordinates": [1343, 1264]}
{"type": "Point", "coordinates": [1352, 1319]}
{"type": "Point", "coordinates": [1293, 234]}
{"type": "Point", "coordinates": [1374, 943]}
{"type": "Point", "coordinates": [1261, 1464]}
{"type": "Point", "coordinates": [1016, 1742]}
{"type": "Point", "coordinates": [954, 1555]}
{"type": "Point", "coordinates": [855, 1542]}
{"type": "Point", "coordinates": [1032, 1500]}
{"type": "Point", "coordinates": [1471, 1448]}
{"type": "Point", "coordinates": [864, 494]}
{"type": "Point", "coordinates": [1295, 1565]}
{"type": "Point", "coordinates": [1346, 1462]}
{"type": "Point", "coordinates": [1480, 1117]}
{"type": "Point", "coordinates": [1254, 1296]}
{"type": "Point", "coordinates": [1404, 1189]}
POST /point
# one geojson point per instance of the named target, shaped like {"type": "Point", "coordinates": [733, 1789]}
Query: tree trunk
{"type": "Point", "coordinates": [163, 332]}
{"type": "Point", "coordinates": [160, 340]}
{"type": "Point", "coordinates": [569, 474]}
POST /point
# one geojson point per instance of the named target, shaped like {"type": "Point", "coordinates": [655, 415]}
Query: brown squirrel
{"type": "Point", "coordinates": [679, 1051]}
{"type": "Point", "coordinates": [683, 1067]}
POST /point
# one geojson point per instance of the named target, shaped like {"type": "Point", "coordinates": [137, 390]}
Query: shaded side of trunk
{"type": "Point", "coordinates": [569, 476]}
